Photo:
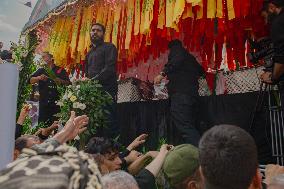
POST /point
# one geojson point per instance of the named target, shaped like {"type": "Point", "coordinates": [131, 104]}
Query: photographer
{"type": "Point", "coordinates": [276, 17]}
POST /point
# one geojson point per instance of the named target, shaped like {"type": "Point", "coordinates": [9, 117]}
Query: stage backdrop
{"type": "Point", "coordinates": [153, 118]}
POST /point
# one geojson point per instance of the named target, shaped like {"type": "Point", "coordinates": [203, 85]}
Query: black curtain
{"type": "Point", "coordinates": [153, 118]}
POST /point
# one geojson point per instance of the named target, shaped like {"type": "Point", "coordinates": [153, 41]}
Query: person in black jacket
{"type": "Point", "coordinates": [48, 89]}
{"type": "Point", "coordinates": [276, 17]}
{"type": "Point", "coordinates": [101, 65]}
{"type": "Point", "coordinates": [183, 72]}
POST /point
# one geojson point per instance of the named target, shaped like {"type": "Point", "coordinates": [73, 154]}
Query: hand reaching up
{"type": "Point", "coordinates": [73, 127]}
{"type": "Point", "coordinates": [137, 142]}
{"type": "Point", "coordinates": [23, 114]}
{"type": "Point", "coordinates": [47, 131]}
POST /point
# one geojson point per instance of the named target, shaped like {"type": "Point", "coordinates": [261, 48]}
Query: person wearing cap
{"type": "Point", "coordinates": [146, 178]}
{"type": "Point", "coordinates": [183, 71]}
{"type": "Point", "coordinates": [181, 168]}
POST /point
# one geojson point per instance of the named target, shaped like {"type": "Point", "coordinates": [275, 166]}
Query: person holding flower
{"type": "Point", "coordinates": [101, 66]}
{"type": "Point", "coordinates": [47, 79]}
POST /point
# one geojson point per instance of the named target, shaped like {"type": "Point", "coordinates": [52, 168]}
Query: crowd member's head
{"type": "Point", "coordinates": [48, 58]}
{"type": "Point", "coordinates": [228, 159]}
{"type": "Point", "coordinates": [264, 11]}
{"type": "Point", "coordinates": [6, 55]}
{"type": "Point", "coordinates": [1, 45]}
{"type": "Point", "coordinates": [25, 141]}
{"type": "Point", "coordinates": [119, 180]}
{"type": "Point", "coordinates": [109, 150]}
{"type": "Point", "coordinates": [277, 182]}
{"type": "Point", "coordinates": [97, 33]}
{"type": "Point", "coordinates": [181, 168]}
{"type": "Point", "coordinates": [174, 43]}
{"type": "Point", "coordinates": [275, 7]}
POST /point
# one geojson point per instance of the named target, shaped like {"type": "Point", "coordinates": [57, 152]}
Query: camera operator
{"type": "Point", "coordinates": [276, 17]}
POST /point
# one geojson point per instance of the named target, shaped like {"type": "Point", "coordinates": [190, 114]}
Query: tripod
{"type": "Point", "coordinates": [275, 117]}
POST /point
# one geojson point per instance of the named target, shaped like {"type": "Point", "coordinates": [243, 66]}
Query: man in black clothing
{"type": "Point", "coordinates": [101, 65]}
{"type": "Point", "coordinates": [48, 89]}
{"type": "Point", "coordinates": [183, 72]}
{"type": "Point", "coordinates": [276, 17]}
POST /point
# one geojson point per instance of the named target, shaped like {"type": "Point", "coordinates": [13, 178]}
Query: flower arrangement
{"type": "Point", "coordinates": [23, 55]}
{"type": "Point", "coordinates": [85, 96]}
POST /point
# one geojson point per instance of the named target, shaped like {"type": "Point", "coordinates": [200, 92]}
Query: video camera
{"type": "Point", "coordinates": [262, 50]}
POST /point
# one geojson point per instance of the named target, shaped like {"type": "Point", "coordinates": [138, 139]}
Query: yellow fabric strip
{"type": "Point", "coordinates": [178, 10]}
{"type": "Point", "coordinates": [52, 36]}
{"type": "Point", "coordinates": [219, 13]}
{"type": "Point", "coordinates": [116, 19]}
{"type": "Point", "coordinates": [142, 21]}
{"type": "Point", "coordinates": [162, 14]}
{"type": "Point", "coordinates": [130, 18]}
{"type": "Point", "coordinates": [109, 25]}
{"type": "Point", "coordinates": [56, 35]}
{"type": "Point", "coordinates": [57, 44]}
{"type": "Point", "coordinates": [200, 11]}
{"type": "Point", "coordinates": [122, 28]}
{"type": "Point", "coordinates": [187, 12]}
{"type": "Point", "coordinates": [231, 10]}
{"type": "Point", "coordinates": [84, 25]}
{"type": "Point", "coordinates": [149, 6]}
{"type": "Point", "coordinates": [170, 4]}
{"type": "Point", "coordinates": [100, 14]}
{"type": "Point", "coordinates": [211, 8]}
{"type": "Point", "coordinates": [75, 33]}
{"type": "Point", "coordinates": [88, 30]}
{"type": "Point", "coordinates": [137, 17]}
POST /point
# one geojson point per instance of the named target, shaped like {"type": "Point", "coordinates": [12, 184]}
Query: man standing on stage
{"type": "Point", "coordinates": [275, 11]}
{"type": "Point", "coordinates": [183, 72]}
{"type": "Point", "coordinates": [101, 65]}
{"type": "Point", "coordinates": [48, 89]}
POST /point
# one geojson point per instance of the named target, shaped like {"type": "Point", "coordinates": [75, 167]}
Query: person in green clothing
{"type": "Point", "coordinates": [181, 168]}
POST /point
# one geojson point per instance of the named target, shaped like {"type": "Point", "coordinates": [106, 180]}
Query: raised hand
{"type": "Point", "coordinates": [23, 114]}
{"type": "Point", "coordinates": [73, 127]}
{"type": "Point", "coordinates": [137, 142]}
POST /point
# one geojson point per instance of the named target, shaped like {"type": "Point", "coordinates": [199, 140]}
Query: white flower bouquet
{"type": "Point", "coordinates": [87, 97]}
{"type": "Point", "coordinates": [19, 52]}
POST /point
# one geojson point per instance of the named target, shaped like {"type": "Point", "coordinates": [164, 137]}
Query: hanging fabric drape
{"type": "Point", "coordinates": [141, 29]}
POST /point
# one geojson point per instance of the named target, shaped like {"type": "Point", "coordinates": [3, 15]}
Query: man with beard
{"type": "Point", "coordinates": [276, 19]}
{"type": "Point", "coordinates": [101, 65]}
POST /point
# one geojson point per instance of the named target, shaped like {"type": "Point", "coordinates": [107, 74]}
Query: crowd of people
{"type": "Point", "coordinates": [224, 157]}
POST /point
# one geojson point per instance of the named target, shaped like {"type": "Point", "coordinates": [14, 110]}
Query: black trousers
{"type": "Point", "coordinates": [47, 112]}
{"type": "Point", "coordinates": [183, 113]}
